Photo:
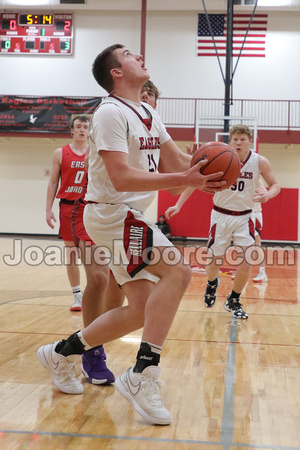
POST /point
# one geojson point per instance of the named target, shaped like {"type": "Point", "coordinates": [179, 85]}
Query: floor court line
{"type": "Point", "coordinates": [266, 344]}
{"type": "Point", "coordinates": [226, 440]}
{"type": "Point", "coordinates": [228, 406]}
{"type": "Point", "coordinates": [144, 439]}
{"type": "Point", "coordinates": [179, 311]}
{"type": "Point", "coordinates": [16, 300]}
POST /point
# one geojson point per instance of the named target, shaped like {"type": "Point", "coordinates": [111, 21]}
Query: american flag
{"type": "Point", "coordinates": [254, 44]}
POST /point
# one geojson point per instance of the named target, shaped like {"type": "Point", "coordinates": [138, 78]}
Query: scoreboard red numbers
{"type": "Point", "coordinates": [9, 25]}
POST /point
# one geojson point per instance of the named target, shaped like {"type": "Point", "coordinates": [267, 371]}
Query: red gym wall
{"type": "Point", "coordinates": [280, 215]}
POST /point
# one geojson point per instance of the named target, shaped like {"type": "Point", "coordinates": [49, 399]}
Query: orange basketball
{"type": "Point", "coordinates": [221, 158]}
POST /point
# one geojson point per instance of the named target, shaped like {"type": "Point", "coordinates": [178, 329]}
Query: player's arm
{"type": "Point", "coordinates": [86, 159]}
{"type": "Point", "coordinates": [261, 189]}
{"type": "Point", "coordinates": [110, 132]}
{"type": "Point", "coordinates": [130, 179]}
{"type": "Point", "coordinates": [269, 177]}
{"type": "Point", "coordinates": [173, 210]}
{"type": "Point", "coordinates": [53, 186]}
{"type": "Point", "coordinates": [172, 159]}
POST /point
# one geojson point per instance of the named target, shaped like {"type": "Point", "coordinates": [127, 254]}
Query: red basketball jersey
{"type": "Point", "coordinates": [73, 175]}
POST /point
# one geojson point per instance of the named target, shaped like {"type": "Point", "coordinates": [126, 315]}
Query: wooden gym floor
{"type": "Point", "coordinates": [229, 384]}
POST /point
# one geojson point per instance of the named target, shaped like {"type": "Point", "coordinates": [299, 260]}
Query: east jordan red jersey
{"type": "Point", "coordinates": [73, 175]}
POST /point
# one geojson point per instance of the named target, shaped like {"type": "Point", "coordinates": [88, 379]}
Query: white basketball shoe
{"type": "Point", "coordinates": [261, 277]}
{"type": "Point", "coordinates": [142, 391]}
{"type": "Point", "coordinates": [62, 369]}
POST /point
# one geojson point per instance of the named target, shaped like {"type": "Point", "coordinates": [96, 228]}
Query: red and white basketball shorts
{"type": "Point", "coordinates": [258, 222]}
{"type": "Point", "coordinates": [78, 230]}
{"type": "Point", "coordinates": [65, 212]}
{"type": "Point", "coordinates": [126, 236]}
{"type": "Point", "coordinates": [226, 228]}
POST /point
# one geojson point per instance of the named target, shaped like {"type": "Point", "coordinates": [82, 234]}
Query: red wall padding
{"type": "Point", "coordinates": [280, 215]}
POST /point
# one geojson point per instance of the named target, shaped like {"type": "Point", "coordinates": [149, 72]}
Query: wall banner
{"type": "Point", "coordinates": [42, 114]}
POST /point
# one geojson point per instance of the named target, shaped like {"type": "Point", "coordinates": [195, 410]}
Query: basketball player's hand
{"type": "Point", "coordinates": [261, 195]}
{"type": "Point", "coordinates": [188, 150]}
{"type": "Point", "coordinates": [172, 211]}
{"type": "Point", "coordinates": [204, 183]}
{"type": "Point", "coordinates": [210, 188]}
{"type": "Point", "coordinates": [191, 151]}
{"type": "Point", "coordinates": [49, 218]}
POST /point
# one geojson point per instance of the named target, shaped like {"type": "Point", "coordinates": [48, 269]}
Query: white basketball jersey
{"type": "Point", "coordinates": [124, 126]}
{"type": "Point", "coordinates": [257, 207]}
{"type": "Point", "coordinates": [239, 197]}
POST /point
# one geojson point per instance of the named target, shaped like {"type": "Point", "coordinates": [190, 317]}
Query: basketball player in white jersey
{"type": "Point", "coordinates": [232, 219]}
{"type": "Point", "coordinates": [102, 292]}
{"type": "Point", "coordinates": [128, 144]}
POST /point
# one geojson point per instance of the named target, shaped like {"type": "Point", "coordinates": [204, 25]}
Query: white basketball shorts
{"type": "Point", "coordinates": [225, 229]}
{"type": "Point", "coordinates": [126, 236]}
{"type": "Point", "coordinates": [258, 222]}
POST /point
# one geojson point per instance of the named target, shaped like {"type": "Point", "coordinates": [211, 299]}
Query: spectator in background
{"type": "Point", "coordinates": [164, 226]}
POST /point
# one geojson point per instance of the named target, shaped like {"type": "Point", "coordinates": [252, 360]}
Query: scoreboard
{"type": "Point", "coordinates": [36, 33]}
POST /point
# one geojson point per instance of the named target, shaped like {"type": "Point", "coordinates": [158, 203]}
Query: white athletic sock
{"type": "Point", "coordinates": [76, 289]}
{"type": "Point", "coordinates": [154, 348]}
{"type": "Point", "coordinates": [83, 341]}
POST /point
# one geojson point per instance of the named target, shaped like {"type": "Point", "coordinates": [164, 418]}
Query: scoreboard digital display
{"type": "Point", "coordinates": [36, 33]}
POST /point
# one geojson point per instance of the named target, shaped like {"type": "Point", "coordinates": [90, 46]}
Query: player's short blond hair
{"type": "Point", "coordinates": [240, 129]}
